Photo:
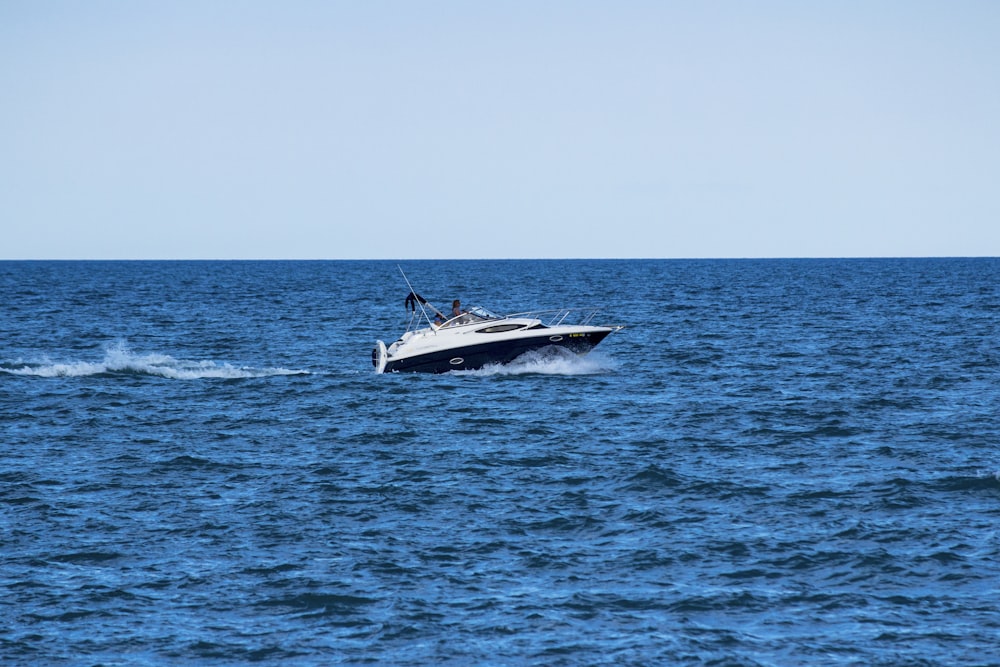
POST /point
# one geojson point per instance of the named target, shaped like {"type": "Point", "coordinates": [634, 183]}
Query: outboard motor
{"type": "Point", "coordinates": [379, 355]}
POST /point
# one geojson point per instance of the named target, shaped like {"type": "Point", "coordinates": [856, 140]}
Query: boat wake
{"type": "Point", "coordinates": [549, 361]}
{"type": "Point", "coordinates": [120, 360]}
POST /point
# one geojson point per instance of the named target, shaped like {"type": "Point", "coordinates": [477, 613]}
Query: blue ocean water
{"type": "Point", "coordinates": [776, 462]}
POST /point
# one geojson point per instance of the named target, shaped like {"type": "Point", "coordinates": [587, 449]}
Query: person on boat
{"type": "Point", "coordinates": [456, 308]}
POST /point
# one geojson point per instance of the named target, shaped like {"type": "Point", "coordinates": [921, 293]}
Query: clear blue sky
{"type": "Point", "coordinates": [452, 129]}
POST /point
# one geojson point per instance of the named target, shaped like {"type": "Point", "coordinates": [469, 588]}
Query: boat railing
{"type": "Point", "coordinates": [549, 317]}
{"type": "Point", "coordinates": [555, 317]}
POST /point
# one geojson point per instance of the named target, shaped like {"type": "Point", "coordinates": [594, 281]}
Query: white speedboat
{"type": "Point", "coordinates": [478, 337]}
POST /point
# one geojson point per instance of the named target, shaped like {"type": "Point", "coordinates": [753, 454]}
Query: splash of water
{"type": "Point", "coordinates": [550, 361]}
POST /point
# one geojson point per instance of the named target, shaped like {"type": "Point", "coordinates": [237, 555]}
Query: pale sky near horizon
{"type": "Point", "coordinates": [522, 129]}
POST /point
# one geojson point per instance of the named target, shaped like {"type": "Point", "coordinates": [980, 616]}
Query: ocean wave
{"type": "Point", "coordinates": [120, 360]}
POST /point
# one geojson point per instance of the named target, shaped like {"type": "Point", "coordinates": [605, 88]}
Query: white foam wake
{"type": "Point", "coordinates": [118, 358]}
{"type": "Point", "coordinates": [550, 361]}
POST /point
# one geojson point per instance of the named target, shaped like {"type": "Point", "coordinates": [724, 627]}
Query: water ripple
{"type": "Point", "coordinates": [777, 462]}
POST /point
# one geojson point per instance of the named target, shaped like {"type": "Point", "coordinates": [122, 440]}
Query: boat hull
{"type": "Point", "coordinates": [472, 357]}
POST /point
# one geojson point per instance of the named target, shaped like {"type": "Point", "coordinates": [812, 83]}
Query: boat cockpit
{"type": "Point", "coordinates": [473, 315]}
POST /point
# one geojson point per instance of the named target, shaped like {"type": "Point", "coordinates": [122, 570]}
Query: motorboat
{"type": "Point", "coordinates": [477, 337]}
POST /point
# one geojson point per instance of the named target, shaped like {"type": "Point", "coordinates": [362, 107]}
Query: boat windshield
{"type": "Point", "coordinates": [473, 315]}
{"type": "Point", "coordinates": [483, 314]}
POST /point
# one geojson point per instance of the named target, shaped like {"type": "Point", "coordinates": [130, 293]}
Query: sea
{"type": "Point", "coordinates": [775, 462]}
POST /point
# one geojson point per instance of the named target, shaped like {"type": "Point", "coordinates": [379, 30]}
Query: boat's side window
{"type": "Point", "coordinates": [500, 328]}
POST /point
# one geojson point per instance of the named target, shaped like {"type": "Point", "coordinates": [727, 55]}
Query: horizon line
{"type": "Point", "coordinates": [480, 259]}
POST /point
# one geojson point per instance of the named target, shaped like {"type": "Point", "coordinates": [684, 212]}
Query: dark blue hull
{"type": "Point", "coordinates": [497, 352]}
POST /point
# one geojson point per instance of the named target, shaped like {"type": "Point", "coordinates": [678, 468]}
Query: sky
{"type": "Point", "coordinates": [411, 129]}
